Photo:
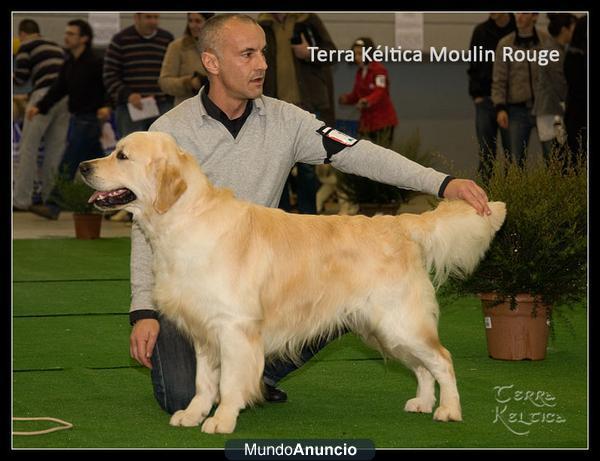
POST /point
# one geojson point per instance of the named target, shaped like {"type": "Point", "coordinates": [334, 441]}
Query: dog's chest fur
{"type": "Point", "coordinates": [191, 287]}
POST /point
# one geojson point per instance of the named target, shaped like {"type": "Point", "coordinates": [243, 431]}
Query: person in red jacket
{"type": "Point", "coordinates": [371, 95]}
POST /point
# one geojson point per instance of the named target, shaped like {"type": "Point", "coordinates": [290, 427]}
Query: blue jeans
{"type": "Point", "coordinates": [126, 126]}
{"type": "Point", "coordinates": [487, 128]}
{"type": "Point", "coordinates": [174, 368]}
{"type": "Point", "coordinates": [83, 144]}
{"type": "Point", "coordinates": [520, 123]}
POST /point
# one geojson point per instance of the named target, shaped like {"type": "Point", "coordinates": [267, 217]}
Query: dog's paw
{"type": "Point", "coordinates": [185, 418]}
{"type": "Point", "coordinates": [418, 405]}
{"type": "Point", "coordinates": [447, 414]}
{"type": "Point", "coordinates": [216, 425]}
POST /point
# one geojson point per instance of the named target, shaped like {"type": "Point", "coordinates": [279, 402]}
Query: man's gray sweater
{"type": "Point", "coordinates": [256, 164]}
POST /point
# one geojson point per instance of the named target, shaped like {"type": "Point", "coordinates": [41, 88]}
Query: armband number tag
{"type": "Point", "coordinates": [337, 136]}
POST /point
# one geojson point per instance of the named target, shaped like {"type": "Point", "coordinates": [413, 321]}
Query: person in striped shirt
{"type": "Point", "coordinates": [38, 61]}
{"type": "Point", "coordinates": [132, 66]}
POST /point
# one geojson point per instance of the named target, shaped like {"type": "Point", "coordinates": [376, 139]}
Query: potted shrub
{"type": "Point", "coordinates": [73, 196]}
{"type": "Point", "coordinates": [373, 197]}
{"type": "Point", "coordinates": [538, 259]}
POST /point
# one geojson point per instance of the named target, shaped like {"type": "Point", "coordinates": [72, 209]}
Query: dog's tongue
{"type": "Point", "coordinates": [95, 195]}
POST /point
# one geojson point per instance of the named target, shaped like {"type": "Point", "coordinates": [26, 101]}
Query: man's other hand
{"type": "Point", "coordinates": [142, 340]}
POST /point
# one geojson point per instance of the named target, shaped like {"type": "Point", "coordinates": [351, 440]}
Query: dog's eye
{"type": "Point", "coordinates": [121, 156]}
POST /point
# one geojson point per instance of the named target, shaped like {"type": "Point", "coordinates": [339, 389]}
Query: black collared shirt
{"type": "Point", "coordinates": [233, 126]}
{"type": "Point", "coordinates": [81, 80]}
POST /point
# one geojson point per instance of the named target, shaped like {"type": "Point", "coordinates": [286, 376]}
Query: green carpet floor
{"type": "Point", "coordinates": [71, 361]}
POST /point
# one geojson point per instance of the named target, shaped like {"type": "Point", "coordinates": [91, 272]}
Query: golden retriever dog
{"type": "Point", "coordinates": [245, 282]}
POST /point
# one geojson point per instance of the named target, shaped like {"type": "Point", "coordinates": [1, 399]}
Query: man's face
{"type": "Point", "coordinates": [525, 20]}
{"type": "Point", "coordinates": [242, 64]}
{"type": "Point", "coordinates": [73, 39]}
{"type": "Point", "coordinates": [195, 23]}
{"type": "Point", "coordinates": [146, 23]}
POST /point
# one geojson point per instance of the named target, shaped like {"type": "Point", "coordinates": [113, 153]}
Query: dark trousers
{"type": "Point", "coordinates": [174, 368]}
{"type": "Point", "coordinates": [83, 143]}
{"type": "Point", "coordinates": [487, 128]}
{"type": "Point", "coordinates": [520, 123]}
{"type": "Point", "coordinates": [306, 185]}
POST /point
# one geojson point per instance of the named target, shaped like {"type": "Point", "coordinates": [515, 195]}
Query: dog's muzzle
{"type": "Point", "coordinates": [106, 199]}
{"type": "Point", "coordinates": [112, 198]}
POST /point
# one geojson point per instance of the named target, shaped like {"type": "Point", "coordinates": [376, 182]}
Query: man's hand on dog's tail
{"type": "Point", "coordinates": [470, 192]}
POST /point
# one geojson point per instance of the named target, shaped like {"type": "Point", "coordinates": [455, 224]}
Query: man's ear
{"type": "Point", "coordinates": [210, 62]}
{"type": "Point", "coordinates": [170, 185]}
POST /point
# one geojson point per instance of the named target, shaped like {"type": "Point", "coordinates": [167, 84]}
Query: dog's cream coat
{"type": "Point", "coordinates": [244, 281]}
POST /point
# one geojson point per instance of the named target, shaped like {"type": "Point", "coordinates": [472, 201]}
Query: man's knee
{"type": "Point", "coordinates": [173, 400]}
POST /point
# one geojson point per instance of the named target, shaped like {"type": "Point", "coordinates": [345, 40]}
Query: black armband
{"type": "Point", "coordinates": [334, 141]}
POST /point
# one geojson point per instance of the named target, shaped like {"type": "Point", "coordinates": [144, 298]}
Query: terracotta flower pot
{"type": "Point", "coordinates": [516, 334]}
{"type": "Point", "coordinates": [87, 225]}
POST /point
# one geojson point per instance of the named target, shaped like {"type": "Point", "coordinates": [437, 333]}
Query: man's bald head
{"type": "Point", "coordinates": [211, 36]}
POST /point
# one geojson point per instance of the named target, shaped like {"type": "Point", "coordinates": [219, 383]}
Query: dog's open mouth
{"type": "Point", "coordinates": [112, 198]}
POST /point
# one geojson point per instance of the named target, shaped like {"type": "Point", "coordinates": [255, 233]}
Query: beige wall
{"type": "Point", "coordinates": [440, 29]}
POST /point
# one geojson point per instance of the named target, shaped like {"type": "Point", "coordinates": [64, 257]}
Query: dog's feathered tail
{"type": "Point", "coordinates": [454, 238]}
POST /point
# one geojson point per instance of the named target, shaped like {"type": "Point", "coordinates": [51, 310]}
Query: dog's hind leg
{"type": "Point", "coordinates": [425, 399]}
{"type": "Point", "coordinates": [207, 390]}
{"type": "Point", "coordinates": [436, 363]}
{"type": "Point", "coordinates": [409, 334]}
{"type": "Point", "coordinates": [242, 364]}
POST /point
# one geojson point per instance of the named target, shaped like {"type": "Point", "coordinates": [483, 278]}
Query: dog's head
{"type": "Point", "coordinates": [145, 170]}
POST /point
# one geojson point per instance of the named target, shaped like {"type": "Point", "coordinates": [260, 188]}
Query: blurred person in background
{"type": "Point", "coordinates": [182, 74]}
{"type": "Point", "coordinates": [38, 61]}
{"type": "Point", "coordinates": [132, 66]}
{"type": "Point", "coordinates": [575, 68]}
{"type": "Point", "coordinates": [487, 35]}
{"type": "Point", "coordinates": [371, 95]}
{"type": "Point", "coordinates": [551, 90]}
{"type": "Point", "coordinates": [292, 77]}
{"type": "Point", "coordinates": [80, 79]}
{"type": "Point", "coordinates": [514, 84]}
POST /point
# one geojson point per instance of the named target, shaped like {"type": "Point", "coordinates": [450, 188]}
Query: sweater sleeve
{"type": "Point", "coordinates": [380, 90]}
{"type": "Point", "coordinates": [362, 158]}
{"type": "Point", "coordinates": [142, 278]}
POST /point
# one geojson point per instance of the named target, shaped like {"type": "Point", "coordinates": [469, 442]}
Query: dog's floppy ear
{"type": "Point", "coordinates": [169, 185]}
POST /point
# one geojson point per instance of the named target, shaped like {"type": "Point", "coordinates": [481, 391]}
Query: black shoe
{"type": "Point", "coordinates": [274, 395]}
{"type": "Point", "coordinates": [45, 211]}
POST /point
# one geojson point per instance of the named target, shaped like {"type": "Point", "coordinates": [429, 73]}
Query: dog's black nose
{"type": "Point", "coordinates": [85, 168]}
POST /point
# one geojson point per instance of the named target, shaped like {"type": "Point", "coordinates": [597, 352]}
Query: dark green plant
{"type": "Point", "coordinates": [542, 247]}
{"type": "Point", "coordinates": [359, 189]}
{"type": "Point", "coordinates": [73, 195]}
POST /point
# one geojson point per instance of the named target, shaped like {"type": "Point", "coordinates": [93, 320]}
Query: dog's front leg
{"type": "Point", "coordinates": [207, 390]}
{"type": "Point", "coordinates": [242, 364]}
